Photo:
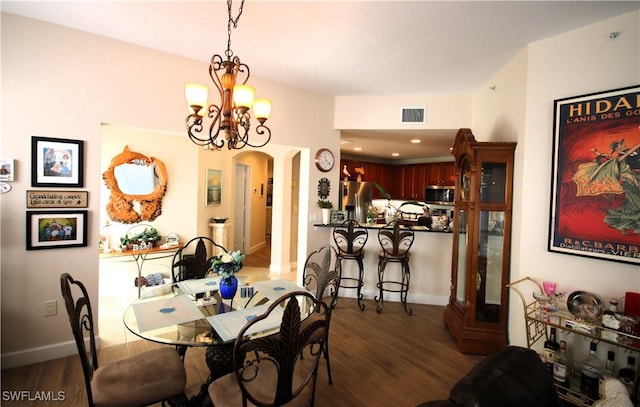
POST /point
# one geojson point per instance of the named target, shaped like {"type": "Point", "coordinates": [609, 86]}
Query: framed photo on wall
{"type": "Point", "coordinates": [595, 206]}
{"type": "Point", "coordinates": [57, 162]}
{"type": "Point", "coordinates": [6, 169]}
{"type": "Point", "coordinates": [56, 229]}
{"type": "Point", "coordinates": [213, 189]}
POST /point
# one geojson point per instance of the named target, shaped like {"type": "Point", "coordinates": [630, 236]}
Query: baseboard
{"type": "Point", "coordinates": [394, 297]}
{"type": "Point", "coordinates": [41, 354]}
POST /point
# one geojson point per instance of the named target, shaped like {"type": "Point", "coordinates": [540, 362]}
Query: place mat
{"type": "Point", "coordinates": [199, 285]}
{"type": "Point", "coordinates": [229, 324]}
{"type": "Point", "coordinates": [274, 289]}
{"type": "Point", "coordinates": [165, 312]}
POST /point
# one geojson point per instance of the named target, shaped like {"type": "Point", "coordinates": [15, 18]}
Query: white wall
{"type": "Point", "coordinates": [58, 82]}
{"type": "Point", "coordinates": [555, 68]}
{"type": "Point", "coordinates": [384, 112]}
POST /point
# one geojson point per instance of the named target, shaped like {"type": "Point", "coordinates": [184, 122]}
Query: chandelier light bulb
{"type": "Point", "coordinates": [262, 109]}
{"type": "Point", "coordinates": [243, 96]}
{"type": "Point", "coordinates": [196, 95]}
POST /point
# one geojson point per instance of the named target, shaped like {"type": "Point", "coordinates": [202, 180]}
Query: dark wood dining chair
{"type": "Point", "coordinates": [395, 241]}
{"type": "Point", "coordinates": [142, 379]}
{"type": "Point", "coordinates": [193, 260]}
{"type": "Point", "coordinates": [269, 371]}
{"type": "Point", "coordinates": [321, 275]}
{"type": "Point", "coordinates": [350, 238]}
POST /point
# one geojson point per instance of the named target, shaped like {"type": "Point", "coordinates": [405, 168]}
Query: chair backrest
{"type": "Point", "coordinates": [81, 321]}
{"type": "Point", "coordinates": [395, 239]}
{"type": "Point", "coordinates": [192, 260]}
{"type": "Point", "coordinates": [322, 273]}
{"type": "Point", "coordinates": [270, 370]}
{"type": "Point", "coordinates": [350, 238]}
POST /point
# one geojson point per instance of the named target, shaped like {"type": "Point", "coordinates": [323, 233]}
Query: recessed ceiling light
{"type": "Point", "coordinates": [395, 154]}
{"type": "Point", "coordinates": [357, 148]}
{"type": "Point", "coordinates": [416, 141]}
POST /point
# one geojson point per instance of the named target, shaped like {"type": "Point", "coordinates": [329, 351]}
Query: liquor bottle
{"type": "Point", "coordinates": [560, 368]}
{"type": "Point", "coordinates": [609, 319]}
{"type": "Point", "coordinates": [591, 368]}
{"type": "Point", "coordinates": [628, 374]}
{"type": "Point", "coordinates": [609, 370]}
{"type": "Point", "coordinates": [550, 349]}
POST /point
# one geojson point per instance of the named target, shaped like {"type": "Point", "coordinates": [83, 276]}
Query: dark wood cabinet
{"type": "Point", "coordinates": [405, 182]}
{"type": "Point", "coordinates": [440, 174]}
{"type": "Point", "coordinates": [476, 314]}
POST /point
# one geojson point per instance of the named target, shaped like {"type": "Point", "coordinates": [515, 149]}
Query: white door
{"type": "Point", "coordinates": [240, 211]}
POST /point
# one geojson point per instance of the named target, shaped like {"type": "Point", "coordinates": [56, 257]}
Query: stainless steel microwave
{"type": "Point", "coordinates": [439, 194]}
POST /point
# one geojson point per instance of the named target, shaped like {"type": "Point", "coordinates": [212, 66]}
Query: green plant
{"type": "Point", "coordinates": [148, 235]}
{"type": "Point", "coordinates": [325, 204]}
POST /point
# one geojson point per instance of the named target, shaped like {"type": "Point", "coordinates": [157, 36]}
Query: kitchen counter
{"type": "Point", "coordinates": [430, 264]}
{"type": "Point", "coordinates": [375, 226]}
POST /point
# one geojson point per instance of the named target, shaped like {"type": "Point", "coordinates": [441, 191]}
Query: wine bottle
{"type": "Point", "coordinates": [550, 349]}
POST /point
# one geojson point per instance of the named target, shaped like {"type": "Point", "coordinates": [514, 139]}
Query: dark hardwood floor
{"type": "Point", "coordinates": [386, 359]}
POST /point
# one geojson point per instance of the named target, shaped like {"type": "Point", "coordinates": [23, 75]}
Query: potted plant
{"type": "Point", "coordinates": [326, 207]}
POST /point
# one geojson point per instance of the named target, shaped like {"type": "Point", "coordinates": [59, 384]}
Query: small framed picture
{"type": "Point", "coordinates": [56, 229]}
{"type": "Point", "coordinates": [57, 162]}
{"type": "Point", "coordinates": [213, 188]}
{"type": "Point", "coordinates": [338, 217]}
{"type": "Point", "coordinates": [6, 170]}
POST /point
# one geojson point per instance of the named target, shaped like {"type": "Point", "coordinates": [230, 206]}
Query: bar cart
{"type": "Point", "coordinates": [539, 316]}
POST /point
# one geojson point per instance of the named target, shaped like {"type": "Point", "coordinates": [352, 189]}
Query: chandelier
{"type": "Point", "coordinates": [231, 119]}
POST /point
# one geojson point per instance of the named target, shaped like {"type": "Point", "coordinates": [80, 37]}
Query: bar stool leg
{"type": "Point", "coordinates": [360, 283]}
{"type": "Point", "coordinates": [380, 300]}
{"type": "Point", "coordinates": [404, 287]}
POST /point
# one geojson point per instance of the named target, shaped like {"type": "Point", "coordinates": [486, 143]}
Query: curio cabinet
{"type": "Point", "coordinates": [476, 315]}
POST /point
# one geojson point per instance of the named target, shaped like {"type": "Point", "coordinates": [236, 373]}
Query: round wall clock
{"type": "Point", "coordinates": [324, 187]}
{"type": "Point", "coordinates": [324, 160]}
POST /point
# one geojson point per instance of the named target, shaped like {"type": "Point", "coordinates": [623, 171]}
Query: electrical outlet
{"type": "Point", "coordinates": [50, 308]}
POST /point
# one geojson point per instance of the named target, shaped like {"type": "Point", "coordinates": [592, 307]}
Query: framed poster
{"type": "Point", "coordinates": [56, 229]}
{"type": "Point", "coordinates": [213, 188]}
{"type": "Point", "coordinates": [595, 205]}
{"type": "Point", "coordinates": [57, 162]}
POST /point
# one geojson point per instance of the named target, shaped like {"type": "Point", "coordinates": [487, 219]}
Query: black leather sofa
{"type": "Point", "coordinates": [514, 376]}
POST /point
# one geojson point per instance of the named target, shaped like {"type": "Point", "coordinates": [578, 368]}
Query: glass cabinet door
{"type": "Point", "coordinates": [493, 179]}
{"type": "Point", "coordinates": [461, 271]}
{"type": "Point", "coordinates": [489, 269]}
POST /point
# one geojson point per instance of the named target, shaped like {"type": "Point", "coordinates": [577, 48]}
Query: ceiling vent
{"type": "Point", "coordinates": [413, 115]}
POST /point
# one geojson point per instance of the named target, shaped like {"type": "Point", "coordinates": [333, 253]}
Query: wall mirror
{"type": "Point", "coordinates": [137, 185]}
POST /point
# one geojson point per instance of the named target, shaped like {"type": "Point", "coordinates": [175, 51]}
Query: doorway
{"type": "Point", "coordinates": [242, 207]}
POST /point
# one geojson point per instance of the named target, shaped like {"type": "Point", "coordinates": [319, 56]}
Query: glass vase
{"type": "Point", "coordinates": [228, 287]}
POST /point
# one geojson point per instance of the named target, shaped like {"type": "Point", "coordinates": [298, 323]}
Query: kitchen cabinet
{"type": "Point", "coordinates": [539, 317]}
{"type": "Point", "coordinates": [476, 315]}
{"type": "Point", "coordinates": [440, 174]}
{"type": "Point", "coordinates": [406, 181]}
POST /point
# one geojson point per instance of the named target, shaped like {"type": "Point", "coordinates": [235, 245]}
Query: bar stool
{"type": "Point", "coordinates": [350, 239]}
{"type": "Point", "coordinates": [395, 242]}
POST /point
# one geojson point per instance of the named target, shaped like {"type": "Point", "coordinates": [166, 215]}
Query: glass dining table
{"type": "Point", "coordinates": [191, 313]}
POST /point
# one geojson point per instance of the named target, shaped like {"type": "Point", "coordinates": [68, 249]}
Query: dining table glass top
{"type": "Point", "coordinates": [192, 313]}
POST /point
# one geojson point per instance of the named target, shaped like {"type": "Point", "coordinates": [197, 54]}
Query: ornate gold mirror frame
{"type": "Point", "coordinates": [137, 185]}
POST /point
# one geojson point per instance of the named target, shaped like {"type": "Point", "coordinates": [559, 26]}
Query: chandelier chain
{"type": "Point", "coordinates": [234, 22]}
